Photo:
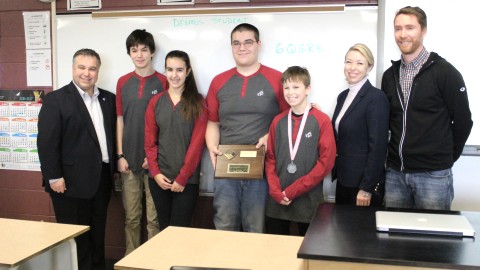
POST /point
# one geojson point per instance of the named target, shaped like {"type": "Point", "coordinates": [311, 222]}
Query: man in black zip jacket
{"type": "Point", "coordinates": [430, 119]}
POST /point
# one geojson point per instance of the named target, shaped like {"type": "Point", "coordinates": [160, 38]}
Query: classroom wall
{"type": "Point", "coordinates": [21, 194]}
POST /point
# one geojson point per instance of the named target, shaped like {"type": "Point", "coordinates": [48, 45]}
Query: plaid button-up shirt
{"type": "Point", "coordinates": [409, 71]}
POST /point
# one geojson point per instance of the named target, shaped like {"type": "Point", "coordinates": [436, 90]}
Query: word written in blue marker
{"type": "Point", "coordinates": [300, 48]}
{"type": "Point", "coordinates": [229, 20]}
{"type": "Point", "coordinates": [198, 21]}
{"type": "Point", "coordinates": [187, 22]}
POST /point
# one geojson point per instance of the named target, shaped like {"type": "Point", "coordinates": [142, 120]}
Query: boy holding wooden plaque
{"type": "Point", "coordinates": [242, 102]}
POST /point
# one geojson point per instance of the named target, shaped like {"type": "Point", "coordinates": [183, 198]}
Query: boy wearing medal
{"type": "Point", "coordinates": [301, 152]}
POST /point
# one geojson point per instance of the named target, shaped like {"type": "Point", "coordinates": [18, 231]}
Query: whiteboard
{"type": "Point", "coordinates": [314, 40]}
{"type": "Point", "coordinates": [451, 32]}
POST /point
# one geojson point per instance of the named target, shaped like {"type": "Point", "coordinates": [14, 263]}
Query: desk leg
{"type": "Point", "coordinates": [72, 247]}
{"type": "Point", "coordinates": [65, 255]}
{"type": "Point", "coordinates": [8, 268]}
{"type": "Point", "coordinates": [61, 257]}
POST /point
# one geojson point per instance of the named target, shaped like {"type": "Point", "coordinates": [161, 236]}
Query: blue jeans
{"type": "Point", "coordinates": [240, 205]}
{"type": "Point", "coordinates": [425, 190]}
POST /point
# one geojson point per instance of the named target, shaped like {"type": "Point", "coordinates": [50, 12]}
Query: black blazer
{"type": "Point", "coordinates": [67, 143]}
{"type": "Point", "coordinates": [362, 138]}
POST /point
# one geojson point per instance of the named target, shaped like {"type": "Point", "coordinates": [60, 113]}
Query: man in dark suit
{"type": "Point", "coordinates": [76, 146]}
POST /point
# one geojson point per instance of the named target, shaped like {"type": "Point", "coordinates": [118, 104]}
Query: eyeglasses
{"type": "Point", "coordinates": [247, 44]}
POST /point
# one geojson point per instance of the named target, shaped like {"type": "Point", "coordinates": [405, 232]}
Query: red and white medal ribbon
{"type": "Point", "coordinates": [292, 168]}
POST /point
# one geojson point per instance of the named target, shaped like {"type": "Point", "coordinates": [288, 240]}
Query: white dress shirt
{"type": "Point", "coordinates": [93, 106]}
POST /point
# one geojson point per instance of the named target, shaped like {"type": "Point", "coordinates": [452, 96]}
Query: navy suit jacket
{"type": "Point", "coordinates": [362, 138]}
{"type": "Point", "coordinates": [67, 143]}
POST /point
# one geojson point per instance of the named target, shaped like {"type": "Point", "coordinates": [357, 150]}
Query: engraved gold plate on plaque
{"type": "Point", "coordinates": [238, 168]}
{"type": "Point", "coordinates": [240, 162]}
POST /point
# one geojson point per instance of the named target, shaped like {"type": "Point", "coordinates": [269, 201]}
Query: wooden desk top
{"type": "Point", "coordinates": [210, 248]}
{"type": "Point", "coordinates": [20, 240]}
{"type": "Point", "coordinates": [345, 233]}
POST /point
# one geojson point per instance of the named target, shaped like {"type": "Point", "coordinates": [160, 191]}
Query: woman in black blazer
{"type": "Point", "coordinates": [360, 124]}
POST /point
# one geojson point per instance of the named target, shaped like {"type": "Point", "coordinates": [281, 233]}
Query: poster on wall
{"type": "Point", "coordinates": [39, 67]}
{"type": "Point", "coordinates": [37, 30]}
{"type": "Point", "coordinates": [38, 48]}
{"type": "Point", "coordinates": [18, 129]}
{"type": "Point", "coordinates": [84, 4]}
{"type": "Point", "coordinates": [174, 2]}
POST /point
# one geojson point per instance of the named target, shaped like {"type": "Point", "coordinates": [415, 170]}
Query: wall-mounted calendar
{"type": "Point", "coordinates": [18, 129]}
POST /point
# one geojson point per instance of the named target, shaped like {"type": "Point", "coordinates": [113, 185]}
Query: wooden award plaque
{"type": "Point", "coordinates": [240, 162]}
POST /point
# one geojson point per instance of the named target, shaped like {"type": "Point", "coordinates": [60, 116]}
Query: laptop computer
{"type": "Point", "coordinates": [423, 223]}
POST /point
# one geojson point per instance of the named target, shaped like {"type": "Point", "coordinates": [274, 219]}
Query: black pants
{"type": "Point", "coordinates": [91, 212]}
{"type": "Point", "coordinates": [174, 208]}
{"type": "Point", "coordinates": [282, 226]}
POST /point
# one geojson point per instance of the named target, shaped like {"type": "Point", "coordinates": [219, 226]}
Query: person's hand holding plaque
{"type": "Point", "coordinates": [214, 152]}
{"type": "Point", "coordinates": [240, 162]}
{"type": "Point", "coordinates": [263, 141]}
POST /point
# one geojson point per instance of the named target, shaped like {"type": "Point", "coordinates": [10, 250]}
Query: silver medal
{"type": "Point", "coordinates": [292, 168]}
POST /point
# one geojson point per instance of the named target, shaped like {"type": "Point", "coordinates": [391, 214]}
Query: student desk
{"type": "Point", "coordinates": [34, 245]}
{"type": "Point", "coordinates": [210, 248]}
{"type": "Point", "coordinates": [345, 237]}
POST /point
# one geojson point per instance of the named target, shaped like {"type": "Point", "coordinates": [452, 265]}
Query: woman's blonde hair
{"type": "Point", "coordinates": [365, 51]}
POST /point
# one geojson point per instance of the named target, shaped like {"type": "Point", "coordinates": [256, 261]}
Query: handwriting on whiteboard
{"type": "Point", "coordinates": [298, 48]}
{"type": "Point", "coordinates": [180, 22]}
